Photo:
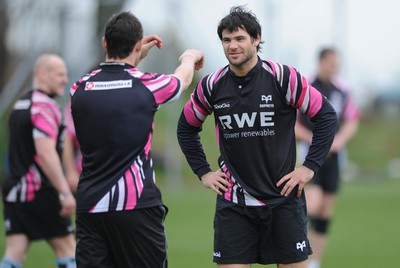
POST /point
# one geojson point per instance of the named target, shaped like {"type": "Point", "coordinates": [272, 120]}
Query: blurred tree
{"type": "Point", "coordinates": [3, 52]}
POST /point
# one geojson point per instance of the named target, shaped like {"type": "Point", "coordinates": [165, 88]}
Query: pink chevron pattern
{"type": "Point", "coordinates": [130, 188]}
{"type": "Point", "coordinates": [76, 85]}
{"type": "Point", "coordinates": [309, 100]}
{"type": "Point", "coordinates": [25, 190]}
{"type": "Point", "coordinates": [162, 86]}
{"type": "Point", "coordinates": [45, 114]}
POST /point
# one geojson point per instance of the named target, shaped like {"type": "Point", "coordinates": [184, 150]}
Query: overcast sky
{"type": "Point", "coordinates": [365, 31]}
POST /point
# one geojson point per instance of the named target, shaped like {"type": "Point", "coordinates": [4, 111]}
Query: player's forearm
{"type": "Point", "coordinates": [190, 60]}
{"type": "Point", "coordinates": [189, 141]}
{"type": "Point", "coordinates": [50, 163]}
{"type": "Point", "coordinates": [185, 71]}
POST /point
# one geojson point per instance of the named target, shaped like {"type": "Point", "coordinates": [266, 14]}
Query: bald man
{"type": "Point", "coordinates": [37, 199]}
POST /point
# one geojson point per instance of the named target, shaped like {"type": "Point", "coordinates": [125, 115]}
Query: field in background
{"type": "Point", "coordinates": [365, 229]}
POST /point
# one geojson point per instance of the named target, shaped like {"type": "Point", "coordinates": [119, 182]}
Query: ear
{"type": "Point", "coordinates": [41, 73]}
{"type": "Point", "coordinates": [138, 46]}
{"type": "Point", "coordinates": [257, 40]}
{"type": "Point", "coordinates": [104, 43]}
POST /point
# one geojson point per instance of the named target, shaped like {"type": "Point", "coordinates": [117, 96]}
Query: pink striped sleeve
{"type": "Point", "coordinates": [315, 101]}
{"type": "Point", "coordinates": [165, 88]}
{"type": "Point", "coordinates": [308, 100]}
{"type": "Point", "coordinates": [194, 112]}
{"type": "Point", "coordinates": [292, 85]}
{"type": "Point", "coordinates": [46, 117]}
{"type": "Point", "coordinates": [190, 115]}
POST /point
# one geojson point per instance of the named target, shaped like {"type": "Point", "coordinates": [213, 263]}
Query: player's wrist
{"type": "Point", "coordinates": [64, 195]}
{"type": "Point", "coordinates": [187, 55]}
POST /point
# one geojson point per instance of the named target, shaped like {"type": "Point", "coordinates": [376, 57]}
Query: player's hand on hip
{"type": "Point", "coordinates": [216, 181]}
{"type": "Point", "coordinates": [68, 205]}
{"type": "Point", "coordinates": [298, 177]}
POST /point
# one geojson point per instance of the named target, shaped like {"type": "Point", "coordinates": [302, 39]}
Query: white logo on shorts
{"type": "Point", "coordinates": [301, 245]}
{"type": "Point", "coordinates": [217, 254]}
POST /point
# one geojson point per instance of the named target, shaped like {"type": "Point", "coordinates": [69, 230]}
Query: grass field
{"type": "Point", "coordinates": [365, 231]}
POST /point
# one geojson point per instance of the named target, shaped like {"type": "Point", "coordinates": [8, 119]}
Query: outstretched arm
{"type": "Point", "coordinates": [190, 60]}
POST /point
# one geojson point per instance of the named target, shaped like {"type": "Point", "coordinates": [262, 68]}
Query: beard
{"type": "Point", "coordinates": [241, 60]}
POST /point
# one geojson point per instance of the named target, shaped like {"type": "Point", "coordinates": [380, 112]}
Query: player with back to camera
{"type": "Point", "coordinates": [120, 213]}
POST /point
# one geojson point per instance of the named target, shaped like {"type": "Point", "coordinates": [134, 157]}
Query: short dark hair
{"type": "Point", "coordinates": [325, 52]}
{"type": "Point", "coordinates": [123, 31]}
{"type": "Point", "coordinates": [239, 17]}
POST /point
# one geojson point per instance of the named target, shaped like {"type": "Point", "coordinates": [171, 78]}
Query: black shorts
{"type": "Point", "coordinates": [265, 235]}
{"type": "Point", "coordinates": [39, 219]}
{"type": "Point", "coordinates": [328, 176]}
{"type": "Point", "coordinates": [134, 238]}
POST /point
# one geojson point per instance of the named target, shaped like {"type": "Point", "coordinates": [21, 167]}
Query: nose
{"type": "Point", "coordinates": [233, 44]}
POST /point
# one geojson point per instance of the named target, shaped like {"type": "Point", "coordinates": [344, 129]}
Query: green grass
{"type": "Point", "coordinates": [365, 230]}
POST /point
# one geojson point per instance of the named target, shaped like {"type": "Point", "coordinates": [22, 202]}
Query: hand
{"type": "Point", "coordinates": [149, 42]}
{"type": "Point", "coordinates": [300, 176]}
{"type": "Point", "coordinates": [216, 181]}
{"type": "Point", "coordinates": [197, 55]}
{"type": "Point", "coordinates": [68, 204]}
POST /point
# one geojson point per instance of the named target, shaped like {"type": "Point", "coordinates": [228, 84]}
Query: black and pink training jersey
{"type": "Point", "coordinates": [254, 119]}
{"type": "Point", "coordinates": [339, 96]}
{"type": "Point", "coordinates": [113, 109]}
{"type": "Point", "coordinates": [34, 115]}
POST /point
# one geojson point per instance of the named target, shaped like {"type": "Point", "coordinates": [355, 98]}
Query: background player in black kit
{"type": "Point", "coordinates": [37, 199]}
{"type": "Point", "coordinates": [321, 193]}
{"type": "Point", "coordinates": [120, 213]}
{"type": "Point", "coordinates": [260, 212]}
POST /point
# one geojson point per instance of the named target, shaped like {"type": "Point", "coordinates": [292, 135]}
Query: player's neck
{"type": "Point", "coordinates": [244, 68]}
{"type": "Point", "coordinates": [128, 60]}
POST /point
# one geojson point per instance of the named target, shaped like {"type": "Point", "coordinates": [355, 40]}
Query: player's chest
{"type": "Point", "coordinates": [256, 107]}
